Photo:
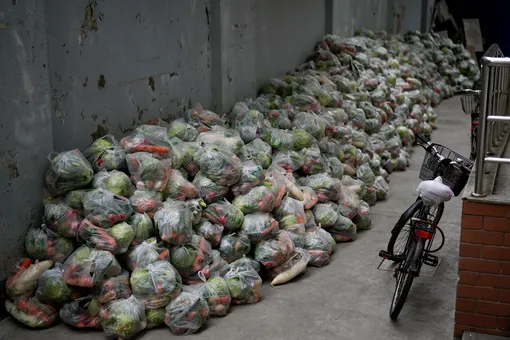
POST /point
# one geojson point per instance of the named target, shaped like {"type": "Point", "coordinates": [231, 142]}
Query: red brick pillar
{"type": "Point", "coordinates": [483, 289]}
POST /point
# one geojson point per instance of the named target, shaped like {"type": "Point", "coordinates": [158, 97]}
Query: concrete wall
{"type": "Point", "coordinates": [75, 70]}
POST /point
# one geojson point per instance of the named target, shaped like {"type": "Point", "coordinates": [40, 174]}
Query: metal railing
{"type": "Point", "coordinates": [494, 51]}
{"type": "Point", "coordinates": [494, 115]}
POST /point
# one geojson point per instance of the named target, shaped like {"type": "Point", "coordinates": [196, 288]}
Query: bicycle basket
{"type": "Point", "coordinates": [453, 177]}
{"type": "Point", "coordinates": [470, 103]}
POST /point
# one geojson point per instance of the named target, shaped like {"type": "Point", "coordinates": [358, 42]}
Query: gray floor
{"type": "Point", "coordinates": [349, 299]}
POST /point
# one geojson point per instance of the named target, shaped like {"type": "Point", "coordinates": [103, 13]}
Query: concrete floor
{"type": "Point", "coordinates": [349, 299]}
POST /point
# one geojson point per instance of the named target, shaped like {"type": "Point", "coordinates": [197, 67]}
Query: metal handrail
{"type": "Point", "coordinates": [493, 113]}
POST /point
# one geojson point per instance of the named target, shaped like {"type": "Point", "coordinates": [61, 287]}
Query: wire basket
{"type": "Point", "coordinates": [470, 103]}
{"type": "Point", "coordinates": [453, 177]}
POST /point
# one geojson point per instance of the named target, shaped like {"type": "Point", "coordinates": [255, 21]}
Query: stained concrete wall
{"type": "Point", "coordinates": [73, 70]}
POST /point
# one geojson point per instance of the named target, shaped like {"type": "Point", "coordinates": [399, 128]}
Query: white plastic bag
{"type": "Point", "coordinates": [434, 192]}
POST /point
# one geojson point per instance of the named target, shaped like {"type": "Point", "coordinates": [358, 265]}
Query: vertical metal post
{"type": "Point", "coordinates": [480, 152]}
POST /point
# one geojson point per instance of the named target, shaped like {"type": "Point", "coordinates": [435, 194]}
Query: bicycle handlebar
{"type": "Point", "coordinates": [430, 148]}
{"type": "Point", "coordinates": [466, 91]}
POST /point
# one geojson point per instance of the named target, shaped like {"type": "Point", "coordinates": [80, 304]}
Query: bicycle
{"type": "Point", "coordinates": [417, 227]}
{"type": "Point", "coordinates": [470, 101]}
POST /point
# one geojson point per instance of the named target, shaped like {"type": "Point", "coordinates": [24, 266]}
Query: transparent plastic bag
{"type": "Point", "coordinates": [251, 176]}
{"type": "Point", "coordinates": [259, 227]}
{"type": "Point", "coordinates": [348, 203]}
{"type": "Point", "coordinates": [215, 291]}
{"type": "Point", "coordinates": [52, 287]}
{"type": "Point", "coordinates": [146, 201]}
{"type": "Point", "coordinates": [211, 232]}
{"type": "Point", "coordinates": [234, 246]}
{"type": "Point", "coordinates": [434, 192]}
{"type": "Point", "coordinates": [219, 165]}
{"type": "Point", "coordinates": [279, 119]}
{"type": "Point", "coordinates": [182, 130]}
{"type": "Point", "coordinates": [259, 199]}
{"type": "Point", "coordinates": [258, 152]}
{"type": "Point", "coordinates": [244, 283]}
{"type": "Point", "coordinates": [224, 213]}
{"type": "Point", "coordinates": [370, 196]}
{"type": "Point", "coordinates": [114, 288]}
{"type": "Point", "coordinates": [221, 138]}
{"type": "Point", "coordinates": [148, 172]}
{"type": "Point", "coordinates": [187, 313]}
{"type": "Point", "coordinates": [279, 139]}
{"type": "Point", "coordinates": [106, 153]}
{"type": "Point", "coordinates": [188, 163]}
{"type": "Point", "coordinates": [32, 313]}
{"type": "Point", "coordinates": [116, 240]}
{"type": "Point", "coordinates": [142, 227]}
{"type": "Point", "coordinates": [191, 257]}
{"type": "Point", "coordinates": [365, 173]}
{"type": "Point", "coordinates": [335, 167]}
{"type": "Point", "coordinates": [174, 223]}
{"type": "Point", "coordinates": [123, 318]}
{"type": "Point", "coordinates": [149, 251]}
{"type": "Point", "coordinates": [302, 139]}
{"type": "Point", "coordinates": [74, 199]}
{"type": "Point", "coordinates": [150, 139]}
{"type": "Point", "coordinates": [363, 219]}
{"type": "Point", "coordinates": [212, 269]}
{"type": "Point", "coordinates": [44, 244]}
{"type": "Point", "coordinates": [344, 230]}
{"type": "Point", "coordinates": [203, 119]}
{"type": "Point", "coordinates": [22, 280]}
{"type": "Point", "coordinates": [311, 123]}
{"type": "Point", "coordinates": [104, 209]}
{"type": "Point", "coordinates": [82, 313]}
{"type": "Point", "coordinates": [115, 181]}
{"type": "Point", "coordinates": [290, 212]}
{"type": "Point", "coordinates": [249, 124]}
{"type": "Point", "coordinates": [310, 198]}
{"type": "Point", "coordinates": [326, 187]}
{"type": "Point", "coordinates": [288, 160]}
{"type": "Point", "coordinates": [291, 268]}
{"type": "Point", "coordinates": [277, 182]}
{"type": "Point", "coordinates": [156, 285]}
{"type": "Point", "coordinates": [209, 191]}
{"type": "Point", "coordinates": [155, 317]}
{"type": "Point", "coordinates": [381, 188]}
{"type": "Point", "coordinates": [320, 245]}
{"type": "Point", "coordinates": [326, 214]}
{"type": "Point", "coordinates": [274, 252]}
{"type": "Point", "coordinates": [62, 219]}
{"type": "Point", "coordinates": [86, 267]}
{"type": "Point", "coordinates": [313, 163]}
{"type": "Point", "coordinates": [178, 187]}
{"type": "Point", "coordinates": [67, 171]}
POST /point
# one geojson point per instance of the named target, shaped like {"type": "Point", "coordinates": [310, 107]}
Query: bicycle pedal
{"type": "Point", "coordinates": [431, 260]}
{"type": "Point", "coordinates": [385, 255]}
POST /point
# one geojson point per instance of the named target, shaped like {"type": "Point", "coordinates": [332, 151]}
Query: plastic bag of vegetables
{"type": "Point", "coordinates": [148, 172]}
{"type": "Point", "coordinates": [297, 234]}
{"type": "Point", "coordinates": [74, 199]}
{"type": "Point", "coordinates": [182, 130]}
{"type": "Point", "coordinates": [191, 257]}
{"type": "Point", "coordinates": [244, 283]}
{"type": "Point", "coordinates": [212, 269]}
{"type": "Point", "coordinates": [348, 204]}
{"type": "Point", "coordinates": [44, 244]}
{"type": "Point", "coordinates": [114, 181]}
{"type": "Point", "coordinates": [62, 219]}
{"type": "Point", "coordinates": [362, 219]}
{"type": "Point", "coordinates": [326, 187]}
{"type": "Point", "coordinates": [313, 163]}
{"type": "Point", "coordinates": [302, 139]}
{"type": "Point", "coordinates": [221, 138]}
{"type": "Point", "coordinates": [113, 288]}
{"type": "Point", "coordinates": [208, 190]}
{"type": "Point", "coordinates": [149, 251]}
{"type": "Point", "coordinates": [290, 212]}
{"type": "Point", "coordinates": [187, 313]}
{"type": "Point", "coordinates": [259, 227]}
{"type": "Point", "coordinates": [364, 172]}
{"type": "Point", "coordinates": [215, 291]}
{"type": "Point", "coordinates": [32, 313]}
{"type": "Point", "coordinates": [320, 245]}
{"type": "Point", "coordinates": [279, 119]}
{"type": "Point", "coordinates": [86, 267]}
{"type": "Point", "coordinates": [291, 268]}
{"type": "Point", "coordinates": [289, 160]}
{"type": "Point", "coordinates": [123, 318]}
{"type": "Point", "coordinates": [251, 176]}
{"type": "Point", "coordinates": [311, 123]}
{"type": "Point", "coordinates": [156, 285]}
{"type": "Point", "coordinates": [234, 246]}
{"type": "Point", "coordinates": [219, 165]}
{"type": "Point", "coordinates": [356, 185]}
{"type": "Point", "coordinates": [142, 227]}
{"type": "Point", "coordinates": [381, 188]}
{"type": "Point", "coordinates": [104, 209]}
{"type": "Point", "coordinates": [174, 223]}
{"type": "Point", "coordinates": [196, 207]}
{"type": "Point", "coordinates": [179, 187]}
{"type": "Point", "coordinates": [310, 198]}
{"type": "Point", "coordinates": [211, 232]}
{"type": "Point", "coordinates": [82, 313]}
{"type": "Point", "coordinates": [279, 139]}
{"type": "Point", "coordinates": [370, 196]}
{"type": "Point", "coordinates": [278, 183]}
{"type": "Point", "coordinates": [52, 288]}
{"type": "Point", "coordinates": [188, 164]}
{"type": "Point", "coordinates": [344, 230]}
{"type": "Point", "coordinates": [274, 252]}
{"type": "Point", "coordinates": [326, 214]}
{"type": "Point", "coordinates": [258, 152]}
{"type": "Point", "coordinates": [335, 167]}
{"type": "Point", "coordinates": [203, 119]}
{"type": "Point", "coordinates": [22, 280]}
{"type": "Point", "coordinates": [67, 171]}
{"type": "Point", "coordinates": [249, 124]}
{"type": "Point", "coordinates": [146, 201]}
{"type": "Point", "coordinates": [97, 237]}
{"type": "Point", "coordinates": [155, 317]}
{"type": "Point", "coordinates": [224, 213]}
{"type": "Point", "coordinates": [259, 199]}
{"type": "Point", "coordinates": [106, 153]}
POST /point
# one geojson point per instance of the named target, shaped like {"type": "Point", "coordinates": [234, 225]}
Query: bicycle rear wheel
{"type": "Point", "coordinates": [405, 280]}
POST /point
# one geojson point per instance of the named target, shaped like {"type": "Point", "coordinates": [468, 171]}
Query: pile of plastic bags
{"type": "Point", "coordinates": [179, 220]}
